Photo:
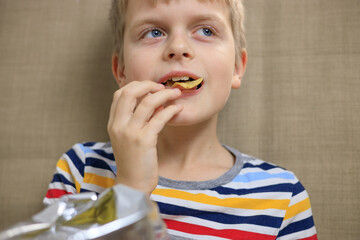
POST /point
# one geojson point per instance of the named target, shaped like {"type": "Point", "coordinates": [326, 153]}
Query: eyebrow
{"type": "Point", "coordinates": [211, 17]}
{"type": "Point", "coordinates": [196, 18]}
{"type": "Point", "coordinates": [146, 20]}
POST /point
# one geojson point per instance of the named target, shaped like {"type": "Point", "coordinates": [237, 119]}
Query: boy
{"type": "Point", "coordinates": [175, 63]}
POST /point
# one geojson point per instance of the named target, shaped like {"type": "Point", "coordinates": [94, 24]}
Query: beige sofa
{"type": "Point", "coordinates": [299, 105]}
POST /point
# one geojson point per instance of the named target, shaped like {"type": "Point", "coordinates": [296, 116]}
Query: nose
{"type": "Point", "coordinates": [179, 48]}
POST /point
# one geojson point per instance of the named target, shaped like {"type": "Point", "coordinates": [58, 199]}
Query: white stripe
{"type": "Point", "coordinates": [254, 161]}
{"type": "Point", "coordinates": [215, 208]}
{"type": "Point", "coordinates": [100, 146]}
{"type": "Point", "coordinates": [65, 174]}
{"type": "Point", "coordinates": [220, 226]}
{"type": "Point", "coordinates": [100, 172]}
{"type": "Point", "coordinates": [274, 170]}
{"type": "Point", "coordinates": [79, 152]}
{"type": "Point", "coordinates": [301, 216]}
{"type": "Point", "coordinates": [57, 185]}
{"type": "Point", "coordinates": [74, 171]}
{"type": "Point", "coordinates": [299, 235]}
{"type": "Point", "coordinates": [92, 187]}
{"type": "Point", "coordinates": [61, 186]}
{"type": "Point", "coordinates": [258, 183]}
{"type": "Point", "coordinates": [298, 198]}
{"type": "Point", "coordinates": [193, 236]}
{"type": "Point", "coordinates": [264, 195]}
{"type": "Point", "coordinates": [97, 156]}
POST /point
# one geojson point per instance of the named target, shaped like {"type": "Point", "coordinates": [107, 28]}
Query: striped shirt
{"type": "Point", "coordinates": [253, 200]}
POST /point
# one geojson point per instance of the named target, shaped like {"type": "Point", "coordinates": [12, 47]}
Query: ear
{"type": "Point", "coordinates": [118, 70]}
{"type": "Point", "coordinates": [239, 71]}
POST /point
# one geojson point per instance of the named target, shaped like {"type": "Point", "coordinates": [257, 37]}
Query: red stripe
{"type": "Point", "coordinates": [310, 238]}
{"type": "Point", "coordinates": [224, 233]}
{"type": "Point", "coordinates": [56, 193]}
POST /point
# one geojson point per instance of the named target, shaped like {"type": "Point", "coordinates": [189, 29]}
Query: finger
{"type": "Point", "coordinates": [150, 103]}
{"type": "Point", "coordinates": [128, 98]}
{"type": "Point", "coordinates": [114, 102]}
{"type": "Point", "coordinates": [159, 120]}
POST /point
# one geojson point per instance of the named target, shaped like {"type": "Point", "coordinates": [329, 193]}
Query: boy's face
{"type": "Point", "coordinates": [182, 38]}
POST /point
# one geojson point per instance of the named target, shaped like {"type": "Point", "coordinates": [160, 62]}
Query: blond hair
{"type": "Point", "coordinates": [117, 20]}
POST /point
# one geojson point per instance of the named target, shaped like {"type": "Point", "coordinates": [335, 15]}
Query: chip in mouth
{"type": "Point", "coordinates": [186, 84]}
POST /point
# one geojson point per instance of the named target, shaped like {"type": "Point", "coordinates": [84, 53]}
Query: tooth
{"type": "Point", "coordinates": [179, 78]}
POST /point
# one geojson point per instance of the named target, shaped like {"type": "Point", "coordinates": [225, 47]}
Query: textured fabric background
{"type": "Point", "coordinates": [298, 107]}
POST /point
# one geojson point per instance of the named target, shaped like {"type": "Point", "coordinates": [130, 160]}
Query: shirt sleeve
{"type": "Point", "coordinates": [298, 222]}
{"type": "Point", "coordinates": [68, 176]}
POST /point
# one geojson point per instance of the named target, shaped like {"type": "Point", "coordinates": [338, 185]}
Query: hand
{"type": "Point", "coordinates": [137, 116]}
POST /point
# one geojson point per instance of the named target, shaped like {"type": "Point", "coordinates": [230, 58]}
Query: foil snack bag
{"type": "Point", "coordinates": [118, 213]}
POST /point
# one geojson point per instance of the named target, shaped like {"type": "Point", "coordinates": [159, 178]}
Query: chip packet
{"type": "Point", "coordinates": [119, 212]}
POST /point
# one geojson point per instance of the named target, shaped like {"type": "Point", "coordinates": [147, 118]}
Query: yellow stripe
{"type": "Point", "coordinates": [78, 186]}
{"type": "Point", "coordinates": [63, 165]}
{"type": "Point", "coordinates": [101, 181]}
{"type": "Point", "coordinates": [244, 203]}
{"type": "Point", "coordinates": [297, 208]}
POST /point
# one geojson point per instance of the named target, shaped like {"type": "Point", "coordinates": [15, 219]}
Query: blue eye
{"type": "Point", "coordinates": [206, 32]}
{"type": "Point", "coordinates": [155, 33]}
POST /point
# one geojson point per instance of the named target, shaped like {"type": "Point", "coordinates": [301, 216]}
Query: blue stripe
{"type": "Point", "coordinates": [97, 163]}
{"type": "Point", "coordinates": [113, 168]}
{"type": "Point", "coordinates": [298, 188]}
{"type": "Point", "coordinates": [76, 160]}
{"type": "Point", "coordinates": [264, 166]}
{"type": "Point", "coordinates": [104, 154]}
{"type": "Point", "coordinates": [100, 152]}
{"type": "Point", "coordinates": [88, 144]}
{"type": "Point", "coordinates": [86, 190]}
{"type": "Point", "coordinates": [61, 179]}
{"type": "Point", "coordinates": [85, 149]}
{"type": "Point", "coordinates": [283, 187]}
{"type": "Point", "coordinates": [256, 176]}
{"type": "Point", "coordinates": [297, 226]}
{"type": "Point", "coordinates": [224, 218]}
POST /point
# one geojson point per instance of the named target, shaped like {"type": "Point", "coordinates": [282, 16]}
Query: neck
{"type": "Point", "coordinates": [188, 144]}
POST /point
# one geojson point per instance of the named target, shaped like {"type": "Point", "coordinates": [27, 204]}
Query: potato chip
{"type": "Point", "coordinates": [188, 84]}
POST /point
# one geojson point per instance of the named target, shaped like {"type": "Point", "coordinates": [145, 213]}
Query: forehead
{"type": "Point", "coordinates": [154, 2]}
{"type": "Point", "coordinates": [154, 8]}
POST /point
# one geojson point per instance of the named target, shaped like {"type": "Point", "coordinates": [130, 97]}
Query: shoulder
{"type": "Point", "coordinates": [87, 166]}
{"type": "Point", "coordinates": [255, 169]}
{"type": "Point", "coordinates": [91, 149]}
{"type": "Point", "coordinates": [82, 156]}
{"type": "Point", "coordinates": [92, 164]}
{"type": "Point", "coordinates": [257, 176]}
{"type": "Point", "coordinates": [258, 169]}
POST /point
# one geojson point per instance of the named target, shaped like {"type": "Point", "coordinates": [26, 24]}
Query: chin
{"type": "Point", "coordinates": [186, 119]}
{"type": "Point", "coordinates": [178, 121]}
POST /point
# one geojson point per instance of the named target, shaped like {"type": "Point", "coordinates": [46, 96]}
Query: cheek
{"type": "Point", "coordinates": [223, 76]}
{"type": "Point", "coordinates": [137, 67]}
{"type": "Point", "coordinates": [221, 86]}
{"type": "Point", "coordinates": [223, 64]}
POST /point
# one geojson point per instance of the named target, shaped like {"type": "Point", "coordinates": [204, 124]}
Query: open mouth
{"type": "Point", "coordinates": [184, 83]}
